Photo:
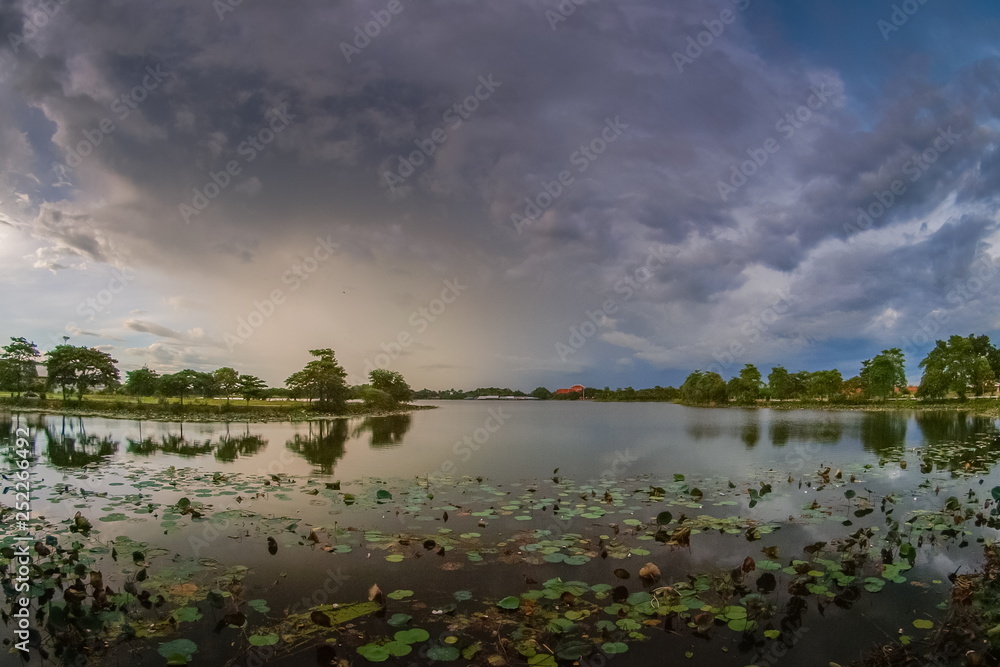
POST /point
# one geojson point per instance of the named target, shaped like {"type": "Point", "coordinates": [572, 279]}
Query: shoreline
{"type": "Point", "coordinates": [204, 415]}
{"type": "Point", "coordinates": [980, 407]}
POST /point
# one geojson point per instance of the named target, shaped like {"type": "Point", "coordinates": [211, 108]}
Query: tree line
{"type": "Point", "coordinates": [79, 370]}
{"type": "Point", "coordinates": [961, 365]}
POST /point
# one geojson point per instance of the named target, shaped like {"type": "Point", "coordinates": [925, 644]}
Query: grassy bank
{"type": "Point", "coordinates": [202, 410]}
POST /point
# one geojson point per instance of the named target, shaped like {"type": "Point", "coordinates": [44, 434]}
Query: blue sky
{"type": "Point", "coordinates": [589, 211]}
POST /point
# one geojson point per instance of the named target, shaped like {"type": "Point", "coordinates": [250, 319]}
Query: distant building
{"type": "Point", "coordinates": [575, 389]}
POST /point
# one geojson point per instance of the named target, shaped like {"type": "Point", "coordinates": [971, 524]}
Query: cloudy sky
{"type": "Point", "coordinates": [517, 192]}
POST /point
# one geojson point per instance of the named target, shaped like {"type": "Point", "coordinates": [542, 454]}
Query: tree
{"type": "Point", "coordinates": [541, 393]}
{"type": "Point", "coordinates": [703, 388]}
{"type": "Point", "coordinates": [745, 389]}
{"type": "Point", "coordinates": [376, 398]}
{"type": "Point", "coordinates": [181, 384]}
{"type": "Point", "coordinates": [322, 378]}
{"type": "Point", "coordinates": [19, 359]}
{"type": "Point", "coordinates": [825, 384]}
{"type": "Point", "coordinates": [954, 366]}
{"type": "Point", "coordinates": [392, 383]}
{"type": "Point", "coordinates": [141, 382]}
{"type": "Point", "coordinates": [250, 386]}
{"type": "Point", "coordinates": [883, 373]}
{"type": "Point", "coordinates": [982, 346]}
{"type": "Point", "coordinates": [779, 383]}
{"type": "Point", "coordinates": [227, 380]}
{"type": "Point", "coordinates": [81, 368]}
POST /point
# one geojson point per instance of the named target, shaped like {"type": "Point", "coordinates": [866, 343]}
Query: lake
{"type": "Point", "coordinates": [504, 533]}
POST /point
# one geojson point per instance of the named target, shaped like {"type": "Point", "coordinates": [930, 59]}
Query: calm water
{"type": "Point", "coordinates": [282, 480]}
{"type": "Point", "coordinates": [508, 441]}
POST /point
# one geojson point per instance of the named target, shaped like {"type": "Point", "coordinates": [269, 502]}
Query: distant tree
{"type": "Point", "coordinates": [181, 384]}
{"type": "Point", "coordinates": [377, 398]}
{"type": "Point", "coordinates": [745, 388]}
{"type": "Point", "coordinates": [779, 383]}
{"type": "Point", "coordinates": [20, 358]}
{"type": "Point", "coordinates": [392, 383]}
{"type": "Point", "coordinates": [852, 386]}
{"type": "Point", "coordinates": [322, 378]}
{"type": "Point", "coordinates": [250, 386]}
{"type": "Point", "coordinates": [541, 393]}
{"type": "Point", "coordinates": [983, 347]}
{"type": "Point", "coordinates": [702, 388]}
{"type": "Point", "coordinates": [141, 382]}
{"type": "Point", "coordinates": [82, 368]}
{"type": "Point", "coordinates": [825, 384]}
{"type": "Point", "coordinates": [955, 366]}
{"type": "Point", "coordinates": [227, 380]}
{"type": "Point", "coordinates": [883, 373]}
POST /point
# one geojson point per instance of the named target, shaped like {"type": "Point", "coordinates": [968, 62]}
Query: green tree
{"type": "Point", "coordinates": [745, 389]}
{"type": "Point", "coordinates": [703, 388]}
{"type": "Point", "coordinates": [82, 368]}
{"type": "Point", "coordinates": [392, 383]}
{"type": "Point", "coordinates": [181, 383]}
{"type": "Point", "coordinates": [250, 386]}
{"type": "Point", "coordinates": [141, 382]}
{"type": "Point", "coordinates": [779, 383]}
{"type": "Point", "coordinates": [883, 373]}
{"type": "Point", "coordinates": [954, 366]}
{"type": "Point", "coordinates": [982, 346]}
{"type": "Point", "coordinates": [322, 378]}
{"type": "Point", "coordinates": [20, 358]}
{"type": "Point", "coordinates": [227, 380]}
{"type": "Point", "coordinates": [825, 384]}
{"type": "Point", "coordinates": [541, 393]}
{"type": "Point", "coordinates": [377, 399]}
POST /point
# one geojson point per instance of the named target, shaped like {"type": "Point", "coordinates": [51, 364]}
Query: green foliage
{"type": "Point", "coordinates": [227, 380]}
{"type": "Point", "coordinates": [746, 388]}
{"type": "Point", "coordinates": [392, 384]}
{"type": "Point", "coordinates": [958, 365]}
{"type": "Point", "coordinates": [250, 386]}
{"type": "Point", "coordinates": [883, 373]}
{"type": "Point", "coordinates": [81, 368]}
{"type": "Point", "coordinates": [541, 393]}
{"type": "Point", "coordinates": [704, 388]}
{"type": "Point", "coordinates": [376, 398]}
{"type": "Point", "coordinates": [322, 378]}
{"type": "Point", "coordinates": [17, 365]}
{"type": "Point", "coordinates": [141, 382]}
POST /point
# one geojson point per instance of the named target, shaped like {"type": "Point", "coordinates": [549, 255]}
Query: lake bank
{"type": "Point", "coordinates": [198, 412]}
{"type": "Point", "coordinates": [984, 407]}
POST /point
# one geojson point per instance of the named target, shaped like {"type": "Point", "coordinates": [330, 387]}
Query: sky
{"type": "Point", "coordinates": [503, 193]}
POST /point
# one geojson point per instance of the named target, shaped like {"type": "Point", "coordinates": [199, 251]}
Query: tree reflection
{"type": "Point", "coordinates": [385, 431]}
{"type": "Point", "coordinates": [884, 433]}
{"type": "Point", "coordinates": [323, 446]}
{"type": "Point", "coordinates": [824, 431]}
{"type": "Point", "coordinates": [751, 433]}
{"type": "Point", "coordinates": [75, 451]}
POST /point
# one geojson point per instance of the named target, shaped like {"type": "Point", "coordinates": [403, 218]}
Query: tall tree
{"type": "Point", "coordinates": [779, 383]}
{"type": "Point", "coordinates": [825, 384]}
{"type": "Point", "coordinates": [745, 388]}
{"type": "Point", "coordinates": [392, 383]}
{"type": "Point", "coordinates": [954, 365]}
{"type": "Point", "coordinates": [703, 388]}
{"type": "Point", "coordinates": [20, 358]}
{"type": "Point", "coordinates": [181, 383]}
{"type": "Point", "coordinates": [227, 380]}
{"type": "Point", "coordinates": [250, 386]}
{"type": "Point", "coordinates": [884, 373]}
{"type": "Point", "coordinates": [141, 382]}
{"type": "Point", "coordinates": [322, 378]}
{"type": "Point", "coordinates": [82, 368]}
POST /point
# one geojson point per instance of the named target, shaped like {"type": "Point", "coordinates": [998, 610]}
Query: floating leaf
{"type": "Point", "coordinates": [443, 653]}
{"type": "Point", "coordinates": [399, 595]}
{"type": "Point", "coordinates": [412, 636]}
{"type": "Point", "coordinates": [509, 602]}
{"type": "Point", "coordinates": [178, 652]}
{"type": "Point", "coordinates": [263, 640]}
{"type": "Point", "coordinates": [923, 624]}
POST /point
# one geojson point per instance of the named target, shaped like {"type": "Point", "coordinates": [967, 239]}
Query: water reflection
{"type": "Point", "coordinates": [323, 446]}
{"type": "Point", "coordinates": [751, 433]}
{"type": "Point", "coordinates": [884, 433]}
{"type": "Point", "coordinates": [938, 426]}
{"type": "Point", "coordinates": [385, 431]}
{"type": "Point", "coordinates": [823, 431]}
